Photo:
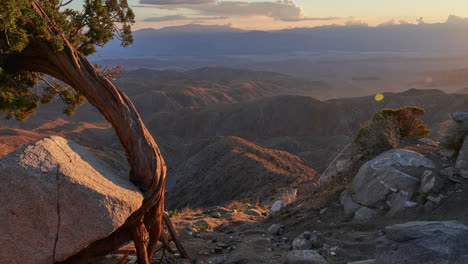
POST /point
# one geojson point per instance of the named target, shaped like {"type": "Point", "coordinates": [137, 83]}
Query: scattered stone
{"type": "Point", "coordinates": [430, 182]}
{"type": "Point", "coordinates": [349, 206]}
{"type": "Point", "coordinates": [410, 204]}
{"type": "Point", "coordinates": [434, 199]}
{"type": "Point", "coordinates": [364, 213]}
{"type": "Point", "coordinates": [369, 261]}
{"type": "Point", "coordinates": [397, 202]}
{"type": "Point", "coordinates": [222, 245]}
{"type": "Point", "coordinates": [189, 230]}
{"type": "Point", "coordinates": [215, 214]}
{"type": "Point", "coordinates": [423, 242]}
{"type": "Point", "coordinates": [463, 173]}
{"type": "Point", "coordinates": [428, 206]}
{"type": "Point", "coordinates": [304, 257]}
{"type": "Point", "coordinates": [447, 153]}
{"type": "Point", "coordinates": [278, 205]}
{"type": "Point", "coordinates": [449, 171]}
{"type": "Point", "coordinates": [276, 229]}
{"type": "Point", "coordinates": [301, 243]}
{"type": "Point", "coordinates": [245, 206]}
{"type": "Point", "coordinates": [307, 235]}
{"type": "Point", "coordinates": [316, 240]}
{"type": "Point", "coordinates": [322, 211]}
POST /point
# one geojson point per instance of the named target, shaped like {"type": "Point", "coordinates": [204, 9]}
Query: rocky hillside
{"type": "Point", "coordinates": [230, 168]}
{"type": "Point", "coordinates": [164, 91]}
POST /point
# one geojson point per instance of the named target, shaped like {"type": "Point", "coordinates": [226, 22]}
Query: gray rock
{"type": "Point", "coordinates": [56, 199]}
{"type": "Point", "coordinates": [349, 206]}
{"type": "Point", "coordinates": [428, 206]}
{"type": "Point", "coordinates": [462, 160]}
{"type": "Point", "coordinates": [371, 186]}
{"type": "Point", "coordinates": [462, 260]}
{"type": "Point", "coordinates": [435, 199]}
{"type": "Point", "coordinates": [378, 178]}
{"type": "Point", "coordinates": [423, 242]}
{"type": "Point", "coordinates": [364, 213]}
{"type": "Point", "coordinates": [369, 261]}
{"type": "Point", "coordinates": [275, 229]}
{"type": "Point", "coordinates": [307, 235]}
{"type": "Point", "coordinates": [304, 257]}
{"type": "Point", "coordinates": [300, 243]}
{"type": "Point", "coordinates": [278, 205]}
{"type": "Point", "coordinates": [449, 171]}
{"type": "Point", "coordinates": [398, 202]}
{"type": "Point", "coordinates": [314, 239]}
{"type": "Point", "coordinates": [430, 182]}
{"type": "Point", "coordinates": [463, 173]}
{"type": "Point", "coordinates": [447, 153]}
{"type": "Point", "coordinates": [461, 117]}
{"type": "Point", "coordinates": [403, 158]}
{"type": "Point", "coordinates": [215, 214]}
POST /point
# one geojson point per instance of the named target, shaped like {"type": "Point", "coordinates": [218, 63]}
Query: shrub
{"type": "Point", "coordinates": [408, 124]}
{"type": "Point", "coordinates": [384, 130]}
{"type": "Point", "coordinates": [375, 137]}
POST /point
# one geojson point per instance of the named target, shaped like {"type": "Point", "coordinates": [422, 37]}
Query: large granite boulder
{"type": "Point", "coordinates": [56, 199]}
{"type": "Point", "coordinates": [423, 243]}
{"type": "Point", "coordinates": [389, 180]}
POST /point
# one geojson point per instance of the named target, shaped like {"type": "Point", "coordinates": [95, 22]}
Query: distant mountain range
{"type": "Point", "coordinates": [201, 41]}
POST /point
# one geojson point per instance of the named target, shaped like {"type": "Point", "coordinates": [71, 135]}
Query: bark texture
{"type": "Point", "coordinates": [148, 170]}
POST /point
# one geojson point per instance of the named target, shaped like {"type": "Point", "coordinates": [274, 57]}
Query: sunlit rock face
{"type": "Point", "coordinates": [56, 199]}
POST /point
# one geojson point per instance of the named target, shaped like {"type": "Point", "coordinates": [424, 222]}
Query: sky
{"type": "Point", "coordinates": [279, 14]}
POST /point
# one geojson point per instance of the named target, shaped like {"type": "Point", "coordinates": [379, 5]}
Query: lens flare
{"type": "Point", "coordinates": [379, 97]}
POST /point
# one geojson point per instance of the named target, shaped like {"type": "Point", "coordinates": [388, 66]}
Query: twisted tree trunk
{"type": "Point", "coordinates": [148, 170]}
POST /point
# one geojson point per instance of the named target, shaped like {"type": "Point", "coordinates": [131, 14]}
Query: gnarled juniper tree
{"type": "Point", "coordinates": [44, 39]}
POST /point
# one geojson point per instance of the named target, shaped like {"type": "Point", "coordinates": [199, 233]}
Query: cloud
{"type": "Point", "coordinates": [181, 17]}
{"type": "Point", "coordinates": [283, 10]}
{"type": "Point", "coordinates": [452, 19]}
{"type": "Point", "coordinates": [312, 19]}
{"type": "Point", "coordinates": [177, 2]}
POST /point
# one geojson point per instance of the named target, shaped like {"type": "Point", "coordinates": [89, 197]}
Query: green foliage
{"type": "Point", "coordinates": [172, 213]}
{"type": "Point", "coordinates": [384, 130]}
{"type": "Point", "coordinates": [98, 22]}
{"type": "Point", "coordinates": [201, 227]}
{"type": "Point", "coordinates": [408, 124]}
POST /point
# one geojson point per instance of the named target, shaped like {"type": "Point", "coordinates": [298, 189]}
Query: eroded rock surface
{"type": "Point", "coordinates": [57, 198]}
{"type": "Point", "coordinates": [423, 242]}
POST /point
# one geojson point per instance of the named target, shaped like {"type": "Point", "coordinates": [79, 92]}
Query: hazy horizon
{"type": "Point", "coordinates": [283, 14]}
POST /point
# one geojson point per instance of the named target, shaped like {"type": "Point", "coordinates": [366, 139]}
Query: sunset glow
{"type": "Point", "coordinates": [281, 14]}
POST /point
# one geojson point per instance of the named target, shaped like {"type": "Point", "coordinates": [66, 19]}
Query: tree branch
{"type": "Point", "coordinates": [65, 4]}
